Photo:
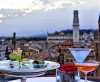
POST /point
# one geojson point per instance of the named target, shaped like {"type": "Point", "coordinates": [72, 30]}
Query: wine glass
{"type": "Point", "coordinates": [80, 55]}
{"type": "Point", "coordinates": [16, 56]}
{"type": "Point", "coordinates": [88, 67]}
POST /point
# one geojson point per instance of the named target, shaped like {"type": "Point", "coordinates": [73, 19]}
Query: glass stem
{"type": "Point", "coordinates": [78, 74]}
{"type": "Point", "coordinates": [77, 77]}
{"type": "Point", "coordinates": [19, 65]}
{"type": "Point", "coordinates": [85, 77]}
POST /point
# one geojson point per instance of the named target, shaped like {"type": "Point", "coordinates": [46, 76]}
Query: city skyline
{"type": "Point", "coordinates": [41, 16]}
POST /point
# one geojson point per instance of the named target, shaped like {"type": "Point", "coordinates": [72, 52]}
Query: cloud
{"type": "Point", "coordinates": [12, 12]}
{"type": "Point", "coordinates": [45, 5]}
{"type": "Point", "coordinates": [31, 5]}
{"type": "Point", "coordinates": [23, 7]}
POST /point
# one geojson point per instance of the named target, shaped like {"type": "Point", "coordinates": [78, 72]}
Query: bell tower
{"type": "Point", "coordinates": [75, 27]}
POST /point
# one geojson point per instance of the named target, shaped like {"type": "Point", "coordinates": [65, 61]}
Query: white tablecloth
{"type": "Point", "coordinates": [43, 79]}
{"type": "Point", "coordinates": [38, 79]}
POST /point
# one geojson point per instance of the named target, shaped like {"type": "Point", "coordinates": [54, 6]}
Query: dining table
{"type": "Point", "coordinates": [28, 70]}
{"type": "Point", "coordinates": [90, 80]}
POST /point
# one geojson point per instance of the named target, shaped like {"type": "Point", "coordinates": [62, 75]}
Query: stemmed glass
{"type": "Point", "coordinates": [16, 56]}
{"type": "Point", "coordinates": [80, 55]}
{"type": "Point", "coordinates": [88, 67]}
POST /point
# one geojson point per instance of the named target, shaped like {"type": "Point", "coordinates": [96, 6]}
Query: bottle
{"type": "Point", "coordinates": [7, 53]}
{"type": "Point", "coordinates": [60, 57]}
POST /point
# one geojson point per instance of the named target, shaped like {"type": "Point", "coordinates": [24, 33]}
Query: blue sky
{"type": "Point", "coordinates": [32, 17]}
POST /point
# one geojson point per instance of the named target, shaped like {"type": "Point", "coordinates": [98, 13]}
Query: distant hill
{"type": "Point", "coordinates": [44, 37]}
{"type": "Point", "coordinates": [71, 31]}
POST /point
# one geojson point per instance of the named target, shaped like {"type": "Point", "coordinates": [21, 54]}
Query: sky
{"type": "Point", "coordinates": [37, 17]}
